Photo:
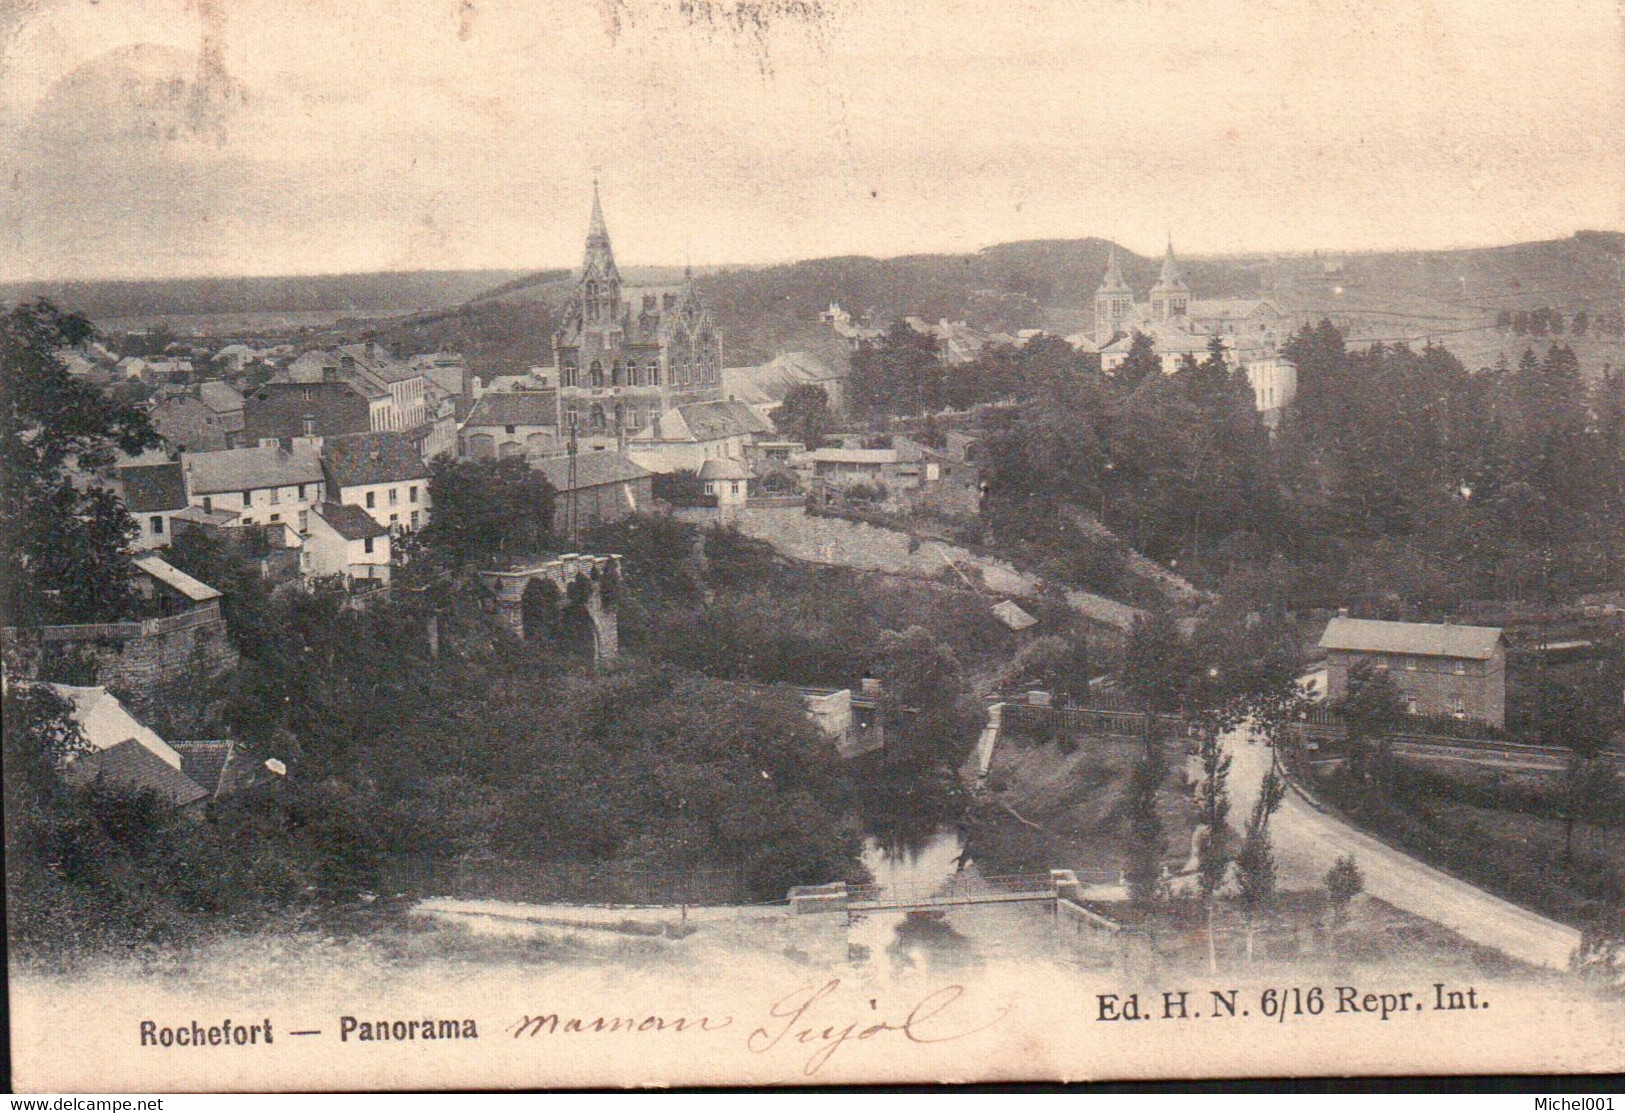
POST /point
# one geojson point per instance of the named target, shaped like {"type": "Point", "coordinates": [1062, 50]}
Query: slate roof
{"type": "Point", "coordinates": [350, 522]}
{"type": "Point", "coordinates": [359, 459]}
{"type": "Point", "coordinates": [249, 469]}
{"type": "Point", "coordinates": [152, 487]}
{"type": "Point", "coordinates": [1416, 639]}
{"type": "Point", "coordinates": [220, 397]}
{"type": "Point", "coordinates": [724, 469]}
{"type": "Point", "coordinates": [173, 578]}
{"type": "Point", "coordinates": [215, 517]}
{"type": "Point", "coordinates": [1228, 308]}
{"type": "Point", "coordinates": [131, 766]}
{"type": "Point", "coordinates": [593, 469]}
{"type": "Point", "coordinates": [711, 421]}
{"type": "Point", "coordinates": [374, 359]}
{"type": "Point", "coordinates": [205, 762]}
{"type": "Point", "coordinates": [516, 407]}
{"type": "Point", "coordinates": [105, 723]}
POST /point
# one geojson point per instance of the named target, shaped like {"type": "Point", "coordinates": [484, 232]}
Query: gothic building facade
{"type": "Point", "coordinates": [628, 354]}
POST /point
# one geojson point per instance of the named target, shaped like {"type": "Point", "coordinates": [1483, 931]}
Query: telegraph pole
{"type": "Point", "coordinates": [570, 495]}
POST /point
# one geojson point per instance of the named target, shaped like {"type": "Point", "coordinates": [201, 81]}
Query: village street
{"type": "Point", "coordinates": [1308, 841]}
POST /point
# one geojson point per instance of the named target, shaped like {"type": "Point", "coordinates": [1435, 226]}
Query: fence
{"type": "Point", "coordinates": [561, 882]}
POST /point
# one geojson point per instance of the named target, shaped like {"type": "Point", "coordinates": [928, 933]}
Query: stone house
{"type": "Point", "coordinates": [207, 417]}
{"type": "Point", "coordinates": [607, 488]}
{"type": "Point", "coordinates": [511, 423]}
{"type": "Point", "coordinates": [1441, 670]}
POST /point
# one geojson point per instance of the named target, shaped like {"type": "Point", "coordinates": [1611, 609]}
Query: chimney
{"type": "Point", "coordinates": [1342, 612]}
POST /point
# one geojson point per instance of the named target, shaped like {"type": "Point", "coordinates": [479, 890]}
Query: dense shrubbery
{"type": "Point", "coordinates": [1423, 813]}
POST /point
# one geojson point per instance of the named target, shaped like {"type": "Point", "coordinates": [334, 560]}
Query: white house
{"type": "Point", "coordinates": [382, 473]}
{"type": "Point", "coordinates": [268, 485]}
{"type": "Point", "coordinates": [729, 481]}
{"type": "Point", "coordinates": [153, 494]}
{"type": "Point", "coordinates": [344, 540]}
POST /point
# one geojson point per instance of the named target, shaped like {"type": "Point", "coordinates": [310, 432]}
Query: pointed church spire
{"type": "Point", "coordinates": [1170, 277]}
{"type": "Point", "coordinates": [597, 228]}
{"type": "Point", "coordinates": [600, 288]}
{"type": "Point", "coordinates": [1114, 274]}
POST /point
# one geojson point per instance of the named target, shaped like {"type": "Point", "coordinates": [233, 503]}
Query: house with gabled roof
{"type": "Point", "coordinates": [382, 473]}
{"type": "Point", "coordinates": [684, 438]}
{"type": "Point", "coordinates": [600, 487]}
{"type": "Point", "coordinates": [124, 753]}
{"type": "Point", "coordinates": [1441, 670]}
{"type": "Point", "coordinates": [153, 494]}
{"type": "Point", "coordinates": [268, 485]}
{"type": "Point", "coordinates": [511, 423]}
{"type": "Point", "coordinates": [345, 540]}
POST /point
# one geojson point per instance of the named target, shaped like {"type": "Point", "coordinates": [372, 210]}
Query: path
{"type": "Point", "coordinates": [870, 548]}
{"type": "Point", "coordinates": [1308, 841]}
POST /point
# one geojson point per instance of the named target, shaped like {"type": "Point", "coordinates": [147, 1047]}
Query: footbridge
{"type": "Point", "coordinates": [1053, 890]}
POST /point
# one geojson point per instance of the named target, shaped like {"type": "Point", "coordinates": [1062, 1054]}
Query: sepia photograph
{"type": "Point", "coordinates": [623, 544]}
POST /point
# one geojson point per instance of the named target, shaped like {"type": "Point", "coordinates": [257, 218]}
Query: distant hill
{"type": "Point", "coordinates": [503, 320]}
{"type": "Point", "coordinates": [390, 292]}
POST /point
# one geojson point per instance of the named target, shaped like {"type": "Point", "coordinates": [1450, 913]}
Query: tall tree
{"type": "Point", "coordinates": [1255, 861]}
{"type": "Point", "coordinates": [1143, 869]}
{"type": "Point", "coordinates": [1213, 812]}
{"type": "Point", "coordinates": [487, 510]}
{"type": "Point", "coordinates": [64, 539]}
{"type": "Point", "coordinates": [804, 414]}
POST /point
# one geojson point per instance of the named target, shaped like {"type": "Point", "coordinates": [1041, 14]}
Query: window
{"type": "Point", "coordinates": [367, 545]}
{"type": "Point", "coordinates": [1459, 668]}
{"type": "Point", "coordinates": [394, 495]}
{"type": "Point", "coordinates": [372, 499]}
{"type": "Point", "coordinates": [276, 517]}
{"type": "Point", "coordinates": [208, 505]}
{"type": "Point", "coordinates": [1410, 664]}
{"type": "Point", "coordinates": [1382, 663]}
{"type": "Point", "coordinates": [248, 498]}
{"type": "Point", "coordinates": [302, 487]}
{"type": "Point", "coordinates": [508, 429]}
{"type": "Point", "coordinates": [412, 495]}
{"type": "Point", "coordinates": [157, 524]}
{"type": "Point", "coordinates": [304, 521]}
{"type": "Point", "coordinates": [276, 496]}
{"type": "Point", "coordinates": [394, 517]}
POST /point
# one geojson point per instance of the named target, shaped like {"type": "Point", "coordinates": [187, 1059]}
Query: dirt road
{"type": "Point", "coordinates": [1308, 841]}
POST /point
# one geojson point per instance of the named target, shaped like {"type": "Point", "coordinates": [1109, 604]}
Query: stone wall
{"type": "Point", "coordinates": [125, 656]}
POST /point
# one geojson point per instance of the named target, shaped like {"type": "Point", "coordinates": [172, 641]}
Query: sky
{"type": "Point", "coordinates": [172, 138]}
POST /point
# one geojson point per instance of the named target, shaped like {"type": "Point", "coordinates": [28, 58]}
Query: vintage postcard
{"type": "Point", "coordinates": [649, 543]}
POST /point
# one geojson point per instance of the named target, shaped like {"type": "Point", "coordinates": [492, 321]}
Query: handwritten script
{"type": "Point", "coordinates": [800, 1019]}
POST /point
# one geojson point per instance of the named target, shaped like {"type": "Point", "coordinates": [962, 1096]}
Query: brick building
{"type": "Point", "coordinates": [1441, 670]}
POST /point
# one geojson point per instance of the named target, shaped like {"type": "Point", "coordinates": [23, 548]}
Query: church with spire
{"type": "Point", "coordinates": [628, 354]}
{"type": "Point", "coordinates": [1179, 324]}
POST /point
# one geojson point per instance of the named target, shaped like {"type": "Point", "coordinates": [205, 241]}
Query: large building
{"type": "Point", "coordinates": [1446, 671]}
{"type": "Point", "coordinates": [628, 354]}
{"type": "Point", "coordinates": [1179, 325]}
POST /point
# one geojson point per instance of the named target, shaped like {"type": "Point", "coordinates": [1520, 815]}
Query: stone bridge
{"type": "Point", "coordinates": [596, 576]}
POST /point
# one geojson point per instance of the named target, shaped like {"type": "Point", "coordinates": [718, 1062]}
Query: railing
{"type": "Point", "coordinates": [958, 889]}
{"type": "Point", "coordinates": [129, 631]}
